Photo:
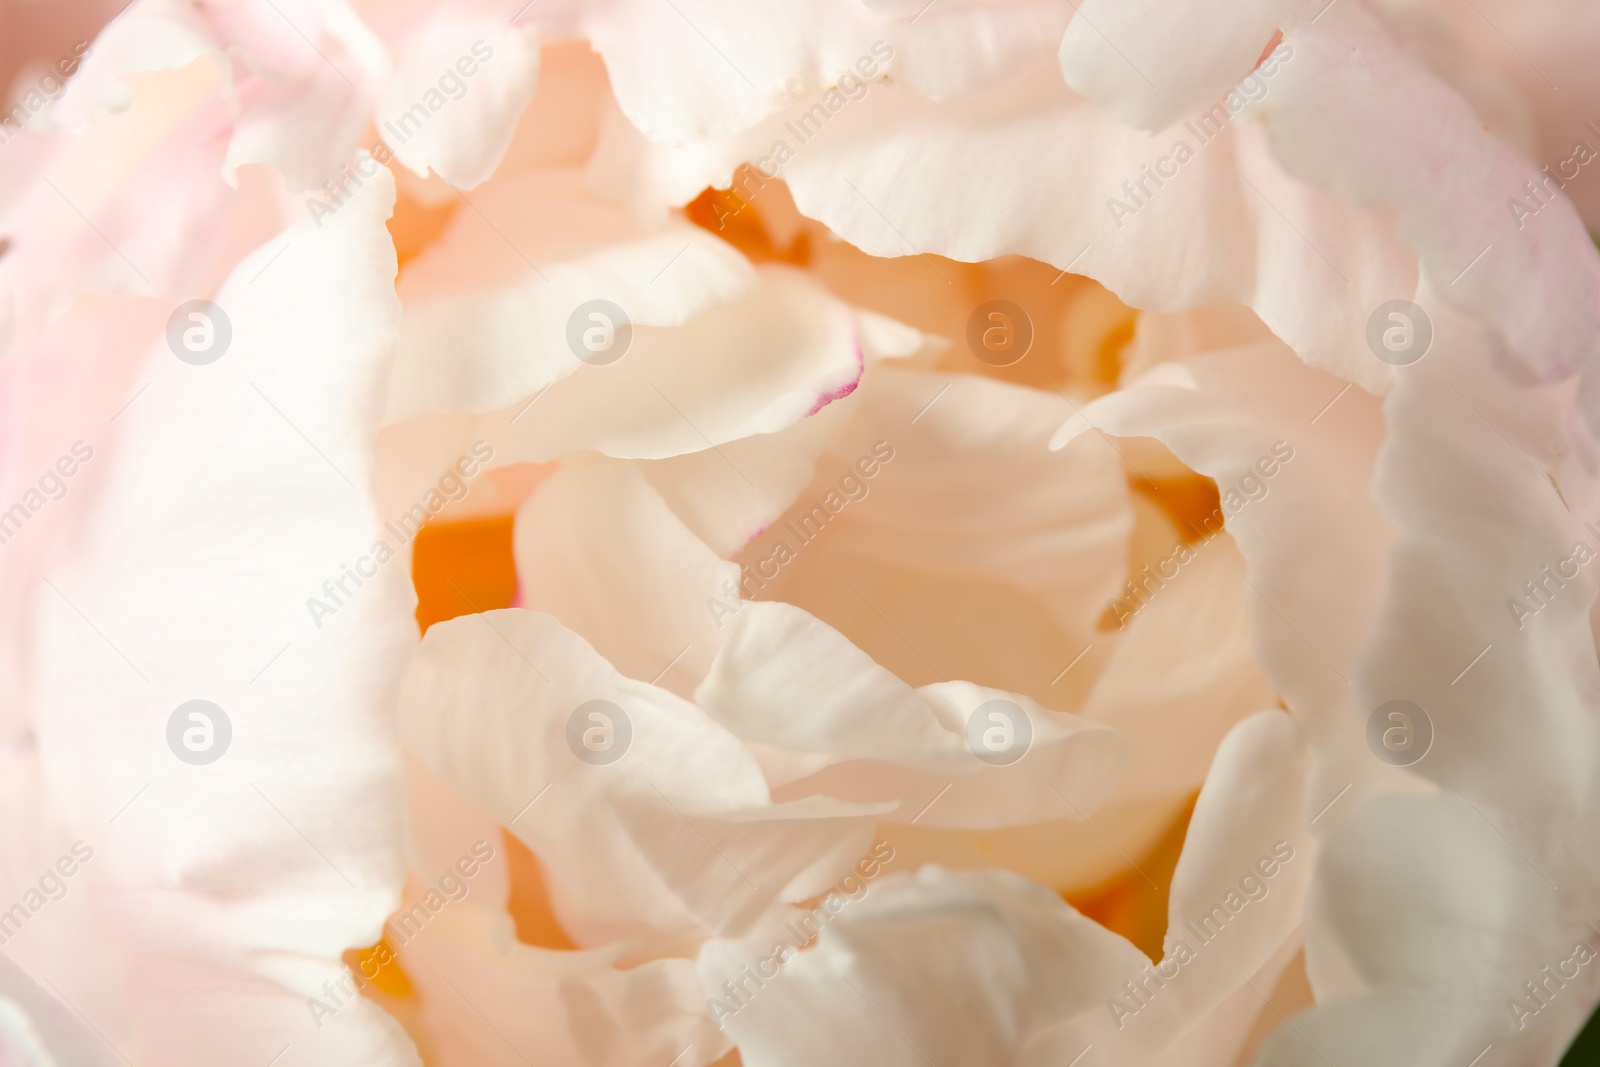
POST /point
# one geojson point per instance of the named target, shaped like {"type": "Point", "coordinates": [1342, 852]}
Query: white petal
{"type": "Point", "coordinates": [489, 1005]}
{"type": "Point", "coordinates": [1009, 953]}
{"type": "Point", "coordinates": [483, 74]}
{"type": "Point", "coordinates": [1149, 65]}
{"type": "Point", "coordinates": [983, 177]}
{"type": "Point", "coordinates": [1234, 417]}
{"type": "Point", "coordinates": [786, 680]}
{"type": "Point", "coordinates": [485, 996]}
{"type": "Point", "coordinates": [714, 69]}
{"type": "Point", "coordinates": [1184, 670]}
{"type": "Point", "coordinates": [231, 492]}
{"type": "Point", "coordinates": [677, 835]}
{"type": "Point", "coordinates": [600, 550]}
{"type": "Point", "coordinates": [1463, 635]}
{"type": "Point", "coordinates": [488, 306]}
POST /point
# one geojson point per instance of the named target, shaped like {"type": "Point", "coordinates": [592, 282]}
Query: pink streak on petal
{"type": "Point", "coordinates": [748, 541]}
{"type": "Point", "coordinates": [844, 390]}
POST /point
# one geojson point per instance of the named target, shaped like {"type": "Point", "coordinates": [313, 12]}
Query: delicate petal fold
{"type": "Point", "coordinates": [1483, 526]}
{"type": "Point", "coordinates": [678, 835]}
{"type": "Point", "coordinates": [786, 680]}
{"type": "Point", "coordinates": [1010, 953]}
{"type": "Point", "coordinates": [1236, 896]}
{"type": "Point", "coordinates": [714, 69]}
{"type": "Point", "coordinates": [1355, 114]}
{"type": "Point", "coordinates": [478, 76]}
{"type": "Point", "coordinates": [1150, 64]}
{"type": "Point", "coordinates": [600, 550]}
{"type": "Point", "coordinates": [1292, 451]}
{"type": "Point", "coordinates": [984, 176]}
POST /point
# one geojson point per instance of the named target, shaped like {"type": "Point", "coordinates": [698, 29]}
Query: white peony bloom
{"type": "Point", "coordinates": [869, 532]}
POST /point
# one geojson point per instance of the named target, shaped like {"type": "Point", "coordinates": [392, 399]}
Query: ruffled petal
{"type": "Point", "coordinates": [478, 76]}
{"type": "Point", "coordinates": [490, 308]}
{"type": "Point", "coordinates": [1292, 451]}
{"type": "Point", "coordinates": [1162, 226]}
{"type": "Point", "coordinates": [1443, 918]}
{"type": "Point", "coordinates": [484, 996]}
{"type": "Point", "coordinates": [1010, 953]}
{"type": "Point", "coordinates": [1354, 113]}
{"type": "Point", "coordinates": [492, 1003]}
{"type": "Point", "coordinates": [1199, 50]}
{"type": "Point", "coordinates": [785, 680]}
{"type": "Point", "coordinates": [1486, 576]}
{"type": "Point", "coordinates": [132, 207]}
{"type": "Point", "coordinates": [1183, 671]}
{"type": "Point", "coordinates": [292, 67]}
{"type": "Point", "coordinates": [680, 837]}
{"type": "Point", "coordinates": [1236, 897]}
{"type": "Point", "coordinates": [748, 62]}
{"type": "Point", "coordinates": [600, 550]}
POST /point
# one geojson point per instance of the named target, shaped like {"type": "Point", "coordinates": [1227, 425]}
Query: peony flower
{"type": "Point", "coordinates": [894, 533]}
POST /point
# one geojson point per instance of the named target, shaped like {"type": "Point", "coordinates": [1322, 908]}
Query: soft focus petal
{"type": "Point", "coordinates": [235, 887]}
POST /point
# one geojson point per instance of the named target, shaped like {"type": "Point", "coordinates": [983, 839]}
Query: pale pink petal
{"type": "Point", "coordinates": [485, 996]}
{"type": "Point", "coordinates": [1354, 113]}
{"type": "Point", "coordinates": [291, 66]}
{"type": "Point", "coordinates": [134, 204]}
{"type": "Point", "coordinates": [235, 887]}
{"type": "Point", "coordinates": [1444, 920]}
{"type": "Point", "coordinates": [940, 535]}
{"type": "Point", "coordinates": [1463, 478]}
